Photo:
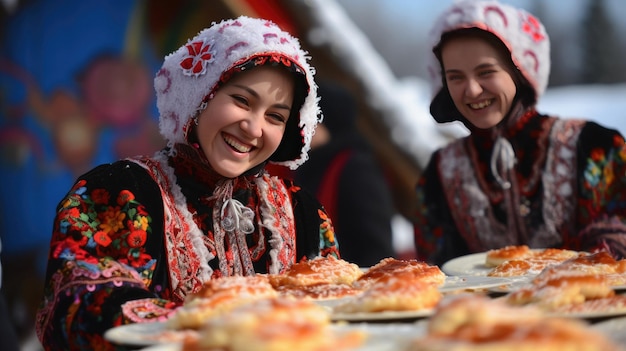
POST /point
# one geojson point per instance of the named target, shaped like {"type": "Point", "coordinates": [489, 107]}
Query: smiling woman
{"type": "Point", "coordinates": [132, 239]}
{"type": "Point", "coordinates": [243, 124]}
{"type": "Point", "coordinates": [520, 177]}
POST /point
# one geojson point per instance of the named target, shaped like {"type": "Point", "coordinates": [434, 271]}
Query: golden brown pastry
{"type": "Point", "coordinates": [613, 271]}
{"type": "Point", "coordinates": [583, 283]}
{"type": "Point", "coordinates": [418, 270]}
{"type": "Point", "coordinates": [496, 257]}
{"type": "Point", "coordinates": [276, 324]}
{"type": "Point", "coordinates": [319, 270]}
{"type": "Point", "coordinates": [318, 278]}
{"type": "Point", "coordinates": [567, 290]}
{"type": "Point", "coordinates": [400, 291]}
{"type": "Point", "coordinates": [218, 296]}
{"type": "Point", "coordinates": [478, 323]}
{"type": "Point", "coordinates": [519, 260]}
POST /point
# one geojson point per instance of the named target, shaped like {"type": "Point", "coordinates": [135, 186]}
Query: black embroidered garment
{"type": "Point", "coordinates": [567, 188]}
{"type": "Point", "coordinates": [143, 233]}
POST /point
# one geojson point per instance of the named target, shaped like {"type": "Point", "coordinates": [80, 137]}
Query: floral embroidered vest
{"type": "Point", "coordinates": [187, 248]}
{"type": "Point", "coordinates": [473, 213]}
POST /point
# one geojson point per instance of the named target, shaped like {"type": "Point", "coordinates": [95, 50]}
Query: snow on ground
{"type": "Point", "coordinates": [605, 104]}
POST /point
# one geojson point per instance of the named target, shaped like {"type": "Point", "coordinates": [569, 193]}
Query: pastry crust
{"type": "Point", "coordinates": [412, 269]}
{"type": "Point", "coordinates": [601, 263]}
{"type": "Point", "coordinates": [400, 291]}
{"type": "Point", "coordinates": [573, 283]}
{"type": "Point", "coordinates": [520, 260]}
{"type": "Point", "coordinates": [218, 296]}
{"type": "Point", "coordinates": [318, 291]}
{"type": "Point", "coordinates": [551, 294]}
{"type": "Point", "coordinates": [277, 324]}
{"type": "Point", "coordinates": [496, 257]}
{"type": "Point", "coordinates": [319, 270]}
{"type": "Point", "coordinates": [475, 322]}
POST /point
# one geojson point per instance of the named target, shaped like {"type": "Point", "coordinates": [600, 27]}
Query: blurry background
{"type": "Point", "coordinates": [588, 37]}
{"type": "Point", "coordinates": [76, 91]}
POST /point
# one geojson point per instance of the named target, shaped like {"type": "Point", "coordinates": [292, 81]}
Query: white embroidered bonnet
{"type": "Point", "coordinates": [522, 33]}
{"type": "Point", "coordinates": [196, 69]}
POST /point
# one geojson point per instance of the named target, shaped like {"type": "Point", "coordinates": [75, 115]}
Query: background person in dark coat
{"type": "Point", "coordinates": [348, 180]}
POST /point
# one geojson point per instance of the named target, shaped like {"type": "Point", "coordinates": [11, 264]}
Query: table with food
{"type": "Point", "coordinates": [513, 298]}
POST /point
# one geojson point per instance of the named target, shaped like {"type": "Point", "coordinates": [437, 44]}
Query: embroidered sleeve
{"type": "Point", "coordinates": [98, 260]}
{"type": "Point", "coordinates": [315, 231]}
{"type": "Point", "coordinates": [602, 198]}
{"type": "Point", "coordinates": [328, 244]}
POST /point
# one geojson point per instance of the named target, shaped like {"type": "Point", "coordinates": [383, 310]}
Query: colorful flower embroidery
{"type": "Point", "coordinates": [89, 221]}
{"type": "Point", "coordinates": [198, 57]}
{"type": "Point", "coordinates": [328, 245]}
{"type": "Point", "coordinates": [603, 171]}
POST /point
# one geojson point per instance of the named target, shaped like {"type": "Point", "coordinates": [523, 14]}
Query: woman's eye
{"type": "Point", "coordinates": [240, 99]}
{"type": "Point", "coordinates": [277, 117]}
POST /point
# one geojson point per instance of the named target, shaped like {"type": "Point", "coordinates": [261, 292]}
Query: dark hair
{"type": "Point", "coordinates": [292, 142]}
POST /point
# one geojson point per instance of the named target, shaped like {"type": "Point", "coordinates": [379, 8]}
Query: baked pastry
{"type": "Point", "coordinates": [476, 322]}
{"type": "Point", "coordinates": [601, 263]}
{"type": "Point", "coordinates": [217, 296]}
{"type": "Point", "coordinates": [400, 291]}
{"type": "Point", "coordinates": [519, 267]}
{"type": "Point", "coordinates": [319, 270]}
{"type": "Point", "coordinates": [276, 324]}
{"type": "Point", "coordinates": [413, 269]}
{"type": "Point", "coordinates": [321, 291]}
{"type": "Point", "coordinates": [318, 278]}
{"type": "Point", "coordinates": [519, 260]}
{"type": "Point", "coordinates": [496, 257]}
{"type": "Point", "coordinates": [560, 291]}
{"type": "Point", "coordinates": [574, 284]}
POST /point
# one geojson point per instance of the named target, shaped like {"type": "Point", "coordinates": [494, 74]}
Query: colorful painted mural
{"type": "Point", "coordinates": [75, 91]}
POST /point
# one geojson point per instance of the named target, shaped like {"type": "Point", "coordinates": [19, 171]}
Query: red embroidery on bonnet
{"type": "Point", "coordinates": [197, 59]}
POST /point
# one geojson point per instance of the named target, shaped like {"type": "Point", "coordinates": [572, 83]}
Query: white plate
{"type": "Point", "coordinates": [144, 334]}
{"type": "Point", "coordinates": [384, 316]}
{"type": "Point", "coordinates": [615, 328]}
{"type": "Point", "coordinates": [514, 283]}
{"type": "Point", "coordinates": [472, 282]}
{"type": "Point", "coordinates": [590, 315]}
{"type": "Point", "coordinates": [472, 264]}
{"type": "Point", "coordinates": [380, 337]}
{"type": "Point", "coordinates": [164, 347]}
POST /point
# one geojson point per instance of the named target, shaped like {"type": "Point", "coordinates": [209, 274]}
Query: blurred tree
{"type": "Point", "coordinates": [600, 46]}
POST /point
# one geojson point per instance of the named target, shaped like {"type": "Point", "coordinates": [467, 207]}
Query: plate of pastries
{"type": "Point", "coordinates": [326, 303]}
{"type": "Point", "coordinates": [558, 281]}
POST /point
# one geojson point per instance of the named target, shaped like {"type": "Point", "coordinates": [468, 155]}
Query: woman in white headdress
{"type": "Point", "coordinates": [520, 177]}
{"type": "Point", "coordinates": [133, 238]}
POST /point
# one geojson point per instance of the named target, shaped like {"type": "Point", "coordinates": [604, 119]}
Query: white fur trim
{"type": "Point", "coordinates": [180, 90]}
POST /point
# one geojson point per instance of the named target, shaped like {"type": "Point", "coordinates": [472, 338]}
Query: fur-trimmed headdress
{"type": "Point", "coordinates": [192, 73]}
{"type": "Point", "coordinates": [522, 34]}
